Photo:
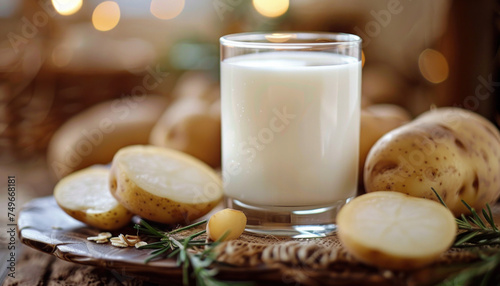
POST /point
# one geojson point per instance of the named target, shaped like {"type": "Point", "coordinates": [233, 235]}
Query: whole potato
{"type": "Point", "coordinates": [192, 125]}
{"type": "Point", "coordinates": [454, 151]}
{"type": "Point", "coordinates": [377, 120]}
{"type": "Point", "coordinates": [94, 135]}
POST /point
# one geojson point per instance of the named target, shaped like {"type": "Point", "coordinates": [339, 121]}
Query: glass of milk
{"type": "Point", "coordinates": [290, 128]}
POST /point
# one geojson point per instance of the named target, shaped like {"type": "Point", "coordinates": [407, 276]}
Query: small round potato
{"type": "Point", "coordinates": [454, 151]}
{"type": "Point", "coordinates": [227, 223]}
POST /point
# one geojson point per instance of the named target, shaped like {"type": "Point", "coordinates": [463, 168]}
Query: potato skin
{"type": "Point", "coordinates": [111, 220]}
{"type": "Point", "coordinates": [377, 120]}
{"type": "Point", "coordinates": [192, 124]}
{"type": "Point", "coordinates": [383, 260]}
{"type": "Point", "coordinates": [452, 150]}
{"type": "Point", "coordinates": [94, 135]}
{"type": "Point", "coordinates": [150, 206]}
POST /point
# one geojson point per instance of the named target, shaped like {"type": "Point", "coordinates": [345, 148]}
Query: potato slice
{"type": "Point", "coordinates": [164, 185]}
{"type": "Point", "coordinates": [394, 230]}
{"type": "Point", "coordinates": [85, 196]}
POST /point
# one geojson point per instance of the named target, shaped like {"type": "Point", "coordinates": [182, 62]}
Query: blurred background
{"type": "Point", "coordinates": [80, 79]}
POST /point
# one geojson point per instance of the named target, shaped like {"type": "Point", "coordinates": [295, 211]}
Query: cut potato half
{"type": "Point", "coordinates": [394, 230]}
{"type": "Point", "coordinates": [164, 185]}
{"type": "Point", "coordinates": [85, 196]}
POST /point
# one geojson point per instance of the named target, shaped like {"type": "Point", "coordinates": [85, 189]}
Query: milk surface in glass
{"type": "Point", "coordinates": [290, 123]}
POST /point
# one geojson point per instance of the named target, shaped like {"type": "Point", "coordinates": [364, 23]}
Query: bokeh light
{"type": "Point", "coordinates": [166, 9]}
{"type": "Point", "coordinates": [433, 66]}
{"type": "Point", "coordinates": [106, 16]}
{"type": "Point", "coordinates": [271, 8]}
{"type": "Point", "coordinates": [67, 7]}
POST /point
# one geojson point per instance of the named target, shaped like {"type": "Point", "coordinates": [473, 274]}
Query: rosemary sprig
{"type": "Point", "coordinates": [171, 246]}
{"type": "Point", "coordinates": [476, 230]}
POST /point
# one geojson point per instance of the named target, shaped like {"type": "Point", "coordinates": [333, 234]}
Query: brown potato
{"type": "Point", "coordinates": [377, 120]}
{"type": "Point", "coordinates": [96, 134]}
{"type": "Point", "coordinates": [192, 125]}
{"type": "Point", "coordinates": [454, 151]}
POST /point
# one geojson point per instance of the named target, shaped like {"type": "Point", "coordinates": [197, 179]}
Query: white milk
{"type": "Point", "coordinates": [290, 128]}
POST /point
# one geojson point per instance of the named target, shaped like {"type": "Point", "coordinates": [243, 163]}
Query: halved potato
{"type": "Point", "coordinates": [394, 230]}
{"type": "Point", "coordinates": [85, 196]}
{"type": "Point", "coordinates": [164, 185]}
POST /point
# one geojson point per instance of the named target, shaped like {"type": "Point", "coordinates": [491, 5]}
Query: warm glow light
{"type": "Point", "coordinates": [67, 7]}
{"type": "Point", "coordinates": [271, 8]}
{"type": "Point", "coordinates": [433, 66]}
{"type": "Point", "coordinates": [362, 58]}
{"type": "Point", "coordinates": [106, 16]}
{"type": "Point", "coordinates": [166, 9]}
{"type": "Point", "coordinates": [279, 37]}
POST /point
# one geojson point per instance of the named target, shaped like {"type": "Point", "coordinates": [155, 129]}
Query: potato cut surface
{"type": "Point", "coordinates": [169, 173]}
{"type": "Point", "coordinates": [394, 230]}
{"type": "Point", "coordinates": [85, 196]}
{"type": "Point", "coordinates": [164, 185]}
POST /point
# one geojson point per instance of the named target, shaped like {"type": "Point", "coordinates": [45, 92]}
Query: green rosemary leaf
{"type": "Point", "coordinates": [439, 197]}
{"type": "Point", "coordinates": [187, 227]}
{"type": "Point", "coordinates": [160, 250]}
{"type": "Point", "coordinates": [466, 222]}
{"type": "Point", "coordinates": [477, 222]}
{"type": "Point", "coordinates": [200, 243]}
{"type": "Point", "coordinates": [198, 240]}
{"type": "Point", "coordinates": [189, 238]}
{"type": "Point", "coordinates": [151, 230]}
{"type": "Point", "coordinates": [173, 253]}
{"type": "Point", "coordinates": [147, 246]}
{"type": "Point", "coordinates": [491, 221]}
{"type": "Point", "coordinates": [153, 256]}
{"type": "Point", "coordinates": [477, 219]}
{"type": "Point", "coordinates": [157, 243]}
{"type": "Point", "coordinates": [461, 239]}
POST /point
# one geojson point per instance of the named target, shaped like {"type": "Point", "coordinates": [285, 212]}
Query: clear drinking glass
{"type": "Point", "coordinates": [290, 128]}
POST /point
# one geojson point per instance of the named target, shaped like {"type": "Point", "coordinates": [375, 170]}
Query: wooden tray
{"type": "Point", "coordinates": [44, 226]}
